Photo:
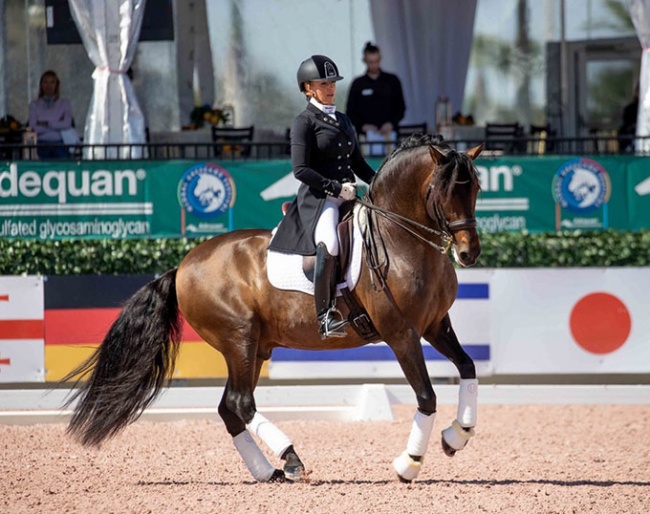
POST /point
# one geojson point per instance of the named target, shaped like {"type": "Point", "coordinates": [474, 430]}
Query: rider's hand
{"type": "Point", "coordinates": [348, 191]}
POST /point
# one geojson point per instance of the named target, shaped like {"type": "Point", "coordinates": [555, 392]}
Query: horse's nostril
{"type": "Point", "coordinates": [464, 256]}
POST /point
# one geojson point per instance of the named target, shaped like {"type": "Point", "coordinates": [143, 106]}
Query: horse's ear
{"type": "Point", "coordinates": [438, 157]}
{"type": "Point", "coordinates": [475, 152]}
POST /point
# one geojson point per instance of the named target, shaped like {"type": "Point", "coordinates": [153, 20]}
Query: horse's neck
{"type": "Point", "coordinates": [401, 190]}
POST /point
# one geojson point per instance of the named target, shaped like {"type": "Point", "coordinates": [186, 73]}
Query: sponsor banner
{"type": "Point", "coordinates": [140, 199]}
{"type": "Point", "coordinates": [571, 321]}
{"type": "Point", "coordinates": [470, 319]}
{"type": "Point", "coordinates": [545, 194]}
{"type": "Point", "coordinates": [21, 329]}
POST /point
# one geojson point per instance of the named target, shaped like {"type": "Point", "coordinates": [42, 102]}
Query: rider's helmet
{"type": "Point", "coordinates": [317, 67]}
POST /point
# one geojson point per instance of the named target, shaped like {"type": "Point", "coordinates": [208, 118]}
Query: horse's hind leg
{"type": "Point", "coordinates": [456, 436]}
{"type": "Point", "coordinates": [237, 409]}
{"type": "Point", "coordinates": [294, 469]}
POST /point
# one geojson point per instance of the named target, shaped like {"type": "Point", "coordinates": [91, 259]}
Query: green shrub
{"type": "Point", "coordinates": [503, 250]}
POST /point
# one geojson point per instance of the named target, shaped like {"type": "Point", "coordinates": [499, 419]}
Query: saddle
{"type": "Point", "coordinates": [358, 317]}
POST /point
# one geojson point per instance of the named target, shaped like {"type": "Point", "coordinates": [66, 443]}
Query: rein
{"type": "Point", "coordinates": [379, 265]}
{"type": "Point", "coordinates": [397, 219]}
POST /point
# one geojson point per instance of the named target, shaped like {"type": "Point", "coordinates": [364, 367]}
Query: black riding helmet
{"type": "Point", "coordinates": [317, 67]}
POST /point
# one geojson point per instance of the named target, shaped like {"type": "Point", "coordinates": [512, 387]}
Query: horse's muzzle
{"type": "Point", "coordinates": [466, 249]}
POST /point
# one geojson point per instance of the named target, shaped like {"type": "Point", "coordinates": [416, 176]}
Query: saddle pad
{"type": "Point", "coordinates": [284, 270]}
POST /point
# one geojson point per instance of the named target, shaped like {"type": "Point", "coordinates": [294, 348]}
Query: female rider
{"type": "Point", "coordinates": [325, 157]}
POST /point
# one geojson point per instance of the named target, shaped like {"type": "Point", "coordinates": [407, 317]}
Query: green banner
{"type": "Point", "coordinates": [544, 194]}
{"type": "Point", "coordinates": [139, 199]}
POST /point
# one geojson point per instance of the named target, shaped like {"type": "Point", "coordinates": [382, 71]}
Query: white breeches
{"type": "Point", "coordinates": [326, 226]}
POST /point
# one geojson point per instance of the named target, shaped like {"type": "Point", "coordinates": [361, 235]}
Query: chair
{"type": "Point", "coordinates": [505, 137]}
{"type": "Point", "coordinates": [227, 141]}
{"type": "Point", "coordinates": [10, 143]}
{"type": "Point", "coordinates": [405, 131]}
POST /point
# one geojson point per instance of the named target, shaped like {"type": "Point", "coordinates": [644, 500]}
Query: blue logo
{"type": "Point", "coordinates": [581, 185]}
{"type": "Point", "coordinates": [206, 190]}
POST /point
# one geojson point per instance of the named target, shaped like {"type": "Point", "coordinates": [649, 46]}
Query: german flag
{"type": "Point", "coordinates": [79, 310]}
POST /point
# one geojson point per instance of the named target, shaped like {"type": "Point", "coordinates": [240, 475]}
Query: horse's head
{"type": "Point", "coordinates": [451, 199]}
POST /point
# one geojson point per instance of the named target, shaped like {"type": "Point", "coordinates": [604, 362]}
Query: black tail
{"type": "Point", "coordinates": [131, 366]}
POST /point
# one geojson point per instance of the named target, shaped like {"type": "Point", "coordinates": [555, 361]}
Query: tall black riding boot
{"type": "Point", "coordinates": [325, 295]}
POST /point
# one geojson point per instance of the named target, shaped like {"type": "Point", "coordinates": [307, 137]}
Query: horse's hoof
{"type": "Point", "coordinates": [278, 477]}
{"type": "Point", "coordinates": [295, 473]}
{"type": "Point", "coordinates": [449, 451]}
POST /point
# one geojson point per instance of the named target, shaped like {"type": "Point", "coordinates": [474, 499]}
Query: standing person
{"type": "Point", "coordinates": [325, 157]}
{"type": "Point", "coordinates": [375, 101]}
{"type": "Point", "coordinates": [627, 129]}
{"type": "Point", "coordinates": [49, 116]}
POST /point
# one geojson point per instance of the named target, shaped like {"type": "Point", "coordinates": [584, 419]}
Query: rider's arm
{"type": "Point", "coordinates": [302, 141]}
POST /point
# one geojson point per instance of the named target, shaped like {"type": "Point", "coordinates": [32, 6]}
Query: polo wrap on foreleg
{"type": "Point", "coordinates": [254, 459]}
{"type": "Point", "coordinates": [420, 434]}
{"type": "Point", "coordinates": [405, 465]}
{"type": "Point", "coordinates": [467, 402]}
{"type": "Point", "coordinates": [271, 435]}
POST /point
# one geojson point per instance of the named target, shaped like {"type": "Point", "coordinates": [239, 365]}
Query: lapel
{"type": "Point", "coordinates": [321, 116]}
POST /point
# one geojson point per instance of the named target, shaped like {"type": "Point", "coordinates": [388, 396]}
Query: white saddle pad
{"type": "Point", "coordinates": [285, 269]}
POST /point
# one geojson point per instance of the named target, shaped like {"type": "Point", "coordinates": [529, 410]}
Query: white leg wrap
{"type": "Point", "coordinates": [254, 459]}
{"type": "Point", "coordinates": [467, 398]}
{"type": "Point", "coordinates": [271, 435]}
{"type": "Point", "coordinates": [406, 467]}
{"type": "Point", "coordinates": [420, 434]}
{"type": "Point", "coordinates": [456, 436]}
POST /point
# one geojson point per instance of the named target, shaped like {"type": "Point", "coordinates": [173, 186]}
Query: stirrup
{"type": "Point", "coordinates": [332, 327]}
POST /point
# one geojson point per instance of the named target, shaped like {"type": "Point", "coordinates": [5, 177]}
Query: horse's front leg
{"type": "Point", "coordinates": [456, 436]}
{"type": "Point", "coordinates": [411, 359]}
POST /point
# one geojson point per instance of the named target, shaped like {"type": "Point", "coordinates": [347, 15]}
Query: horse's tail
{"type": "Point", "coordinates": [131, 366]}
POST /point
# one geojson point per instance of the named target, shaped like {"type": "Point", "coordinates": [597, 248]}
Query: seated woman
{"type": "Point", "coordinates": [49, 115]}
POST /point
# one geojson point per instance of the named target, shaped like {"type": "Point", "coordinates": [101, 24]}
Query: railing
{"type": "Point", "coordinates": [281, 150]}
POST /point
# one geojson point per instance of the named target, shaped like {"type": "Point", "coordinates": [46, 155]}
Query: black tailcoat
{"type": "Point", "coordinates": [324, 154]}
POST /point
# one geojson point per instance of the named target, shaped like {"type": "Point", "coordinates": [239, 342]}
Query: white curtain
{"type": "Point", "coordinates": [640, 14]}
{"type": "Point", "coordinates": [427, 43]}
{"type": "Point", "coordinates": [110, 31]}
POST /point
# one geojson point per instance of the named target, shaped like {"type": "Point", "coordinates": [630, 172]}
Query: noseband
{"type": "Point", "coordinates": [435, 213]}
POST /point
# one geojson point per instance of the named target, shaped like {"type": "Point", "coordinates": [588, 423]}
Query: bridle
{"type": "Point", "coordinates": [446, 233]}
{"type": "Point", "coordinates": [435, 212]}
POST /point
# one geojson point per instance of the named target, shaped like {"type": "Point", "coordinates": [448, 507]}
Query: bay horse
{"type": "Point", "coordinates": [421, 201]}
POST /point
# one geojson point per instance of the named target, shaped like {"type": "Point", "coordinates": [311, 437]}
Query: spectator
{"type": "Point", "coordinates": [627, 130]}
{"type": "Point", "coordinates": [50, 116]}
{"type": "Point", "coordinates": [375, 102]}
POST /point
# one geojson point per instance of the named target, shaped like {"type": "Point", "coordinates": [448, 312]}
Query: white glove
{"type": "Point", "coordinates": [348, 191]}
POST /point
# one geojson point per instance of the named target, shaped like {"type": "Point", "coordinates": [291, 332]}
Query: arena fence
{"type": "Point", "coordinates": [262, 150]}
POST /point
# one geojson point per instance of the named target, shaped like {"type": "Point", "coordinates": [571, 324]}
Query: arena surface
{"type": "Point", "coordinates": [524, 459]}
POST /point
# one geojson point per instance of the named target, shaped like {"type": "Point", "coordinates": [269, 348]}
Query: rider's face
{"type": "Point", "coordinates": [322, 91]}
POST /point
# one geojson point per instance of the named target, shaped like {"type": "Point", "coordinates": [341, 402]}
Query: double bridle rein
{"type": "Point", "coordinates": [448, 228]}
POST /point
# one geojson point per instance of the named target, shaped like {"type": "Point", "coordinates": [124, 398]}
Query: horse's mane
{"type": "Point", "coordinates": [414, 141]}
{"type": "Point", "coordinates": [456, 168]}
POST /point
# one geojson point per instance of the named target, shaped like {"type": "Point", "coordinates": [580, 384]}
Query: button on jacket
{"type": "Point", "coordinates": [324, 155]}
